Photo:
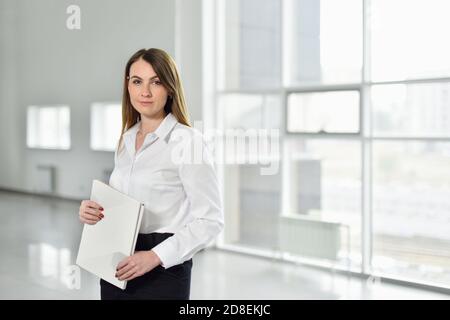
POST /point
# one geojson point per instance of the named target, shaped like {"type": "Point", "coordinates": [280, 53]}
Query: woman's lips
{"type": "Point", "coordinates": [146, 103]}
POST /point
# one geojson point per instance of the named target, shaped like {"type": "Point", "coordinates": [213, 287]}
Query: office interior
{"type": "Point", "coordinates": [344, 193]}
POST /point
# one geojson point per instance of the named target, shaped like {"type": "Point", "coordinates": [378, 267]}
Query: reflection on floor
{"type": "Point", "coordinates": [39, 239]}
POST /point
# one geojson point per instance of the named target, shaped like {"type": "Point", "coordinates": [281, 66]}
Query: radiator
{"type": "Point", "coordinates": [307, 237]}
{"type": "Point", "coordinates": [45, 179]}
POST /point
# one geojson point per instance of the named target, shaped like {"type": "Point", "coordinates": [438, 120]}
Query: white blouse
{"type": "Point", "coordinates": [173, 175]}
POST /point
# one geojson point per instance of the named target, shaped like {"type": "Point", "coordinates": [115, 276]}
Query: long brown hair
{"type": "Point", "coordinates": [166, 69]}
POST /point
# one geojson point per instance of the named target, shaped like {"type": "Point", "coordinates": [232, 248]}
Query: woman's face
{"type": "Point", "coordinates": [148, 96]}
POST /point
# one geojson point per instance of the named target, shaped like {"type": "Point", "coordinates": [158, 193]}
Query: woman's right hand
{"type": "Point", "coordinates": [90, 212]}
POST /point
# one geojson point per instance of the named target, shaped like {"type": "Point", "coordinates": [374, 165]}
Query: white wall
{"type": "Point", "coordinates": [10, 141]}
{"type": "Point", "coordinates": [188, 51]}
{"type": "Point", "coordinates": [42, 62]}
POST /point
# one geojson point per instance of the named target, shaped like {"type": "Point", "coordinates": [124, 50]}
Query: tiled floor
{"type": "Point", "coordinates": [39, 238]}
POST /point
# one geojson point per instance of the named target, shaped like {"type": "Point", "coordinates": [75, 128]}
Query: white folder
{"type": "Point", "coordinates": [113, 238]}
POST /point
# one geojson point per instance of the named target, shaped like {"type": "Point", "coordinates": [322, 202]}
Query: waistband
{"type": "Point", "coordinates": [146, 241]}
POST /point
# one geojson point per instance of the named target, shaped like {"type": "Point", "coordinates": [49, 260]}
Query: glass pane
{"type": "Point", "coordinates": [251, 40]}
{"type": "Point", "coordinates": [106, 125]}
{"type": "Point", "coordinates": [48, 127]}
{"type": "Point", "coordinates": [411, 110]}
{"type": "Point", "coordinates": [411, 207]}
{"type": "Point", "coordinates": [324, 185]}
{"type": "Point", "coordinates": [324, 112]}
{"type": "Point", "coordinates": [250, 111]}
{"type": "Point", "coordinates": [323, 41]}
{"type": "Point", "coordinates": [409, 39]}
{"type": "Point", "coordinates": [252, 206]}
{"type": "Point", "coordinates": [251, 131]}
{"type": "Point", "coordinates": [252, 168]}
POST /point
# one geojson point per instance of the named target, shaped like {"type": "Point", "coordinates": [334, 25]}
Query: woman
{"type": "Point", "coordinates": [163, 162]}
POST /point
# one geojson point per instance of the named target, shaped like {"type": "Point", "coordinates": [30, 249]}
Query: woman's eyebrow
{"type": "Point", "coordinates": [154, 77]}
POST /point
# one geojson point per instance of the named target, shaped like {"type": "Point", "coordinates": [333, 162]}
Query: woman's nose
{"type": "Point", "coordinates": [146, 91]}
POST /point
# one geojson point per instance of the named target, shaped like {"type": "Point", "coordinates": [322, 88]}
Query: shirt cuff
{"type": "Point", "coordinates": [165, 252]}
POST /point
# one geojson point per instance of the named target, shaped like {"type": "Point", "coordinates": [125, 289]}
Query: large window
{"type": "Point", "coordinates": [48, 127]}
{"type": "Point", "coordinates": [359, 91]}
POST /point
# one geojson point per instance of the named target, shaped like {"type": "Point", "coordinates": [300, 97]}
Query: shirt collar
{"type": "Point", "coordinates": [133, 130]}
{"type": "Point", "coordinates": [162, 131]}
{"type": "Point", "coordinates": [166, 126]}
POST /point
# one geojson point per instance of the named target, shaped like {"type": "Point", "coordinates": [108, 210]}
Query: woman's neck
{"type": "Point", "coordinates": [150, 124]}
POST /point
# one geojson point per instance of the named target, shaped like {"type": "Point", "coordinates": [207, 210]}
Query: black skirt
{"type": "Point", "coordinates": [172, 283]}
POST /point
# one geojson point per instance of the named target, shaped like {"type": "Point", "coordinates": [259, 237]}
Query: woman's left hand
{"type": "Point", "coordinates": [136, 265]}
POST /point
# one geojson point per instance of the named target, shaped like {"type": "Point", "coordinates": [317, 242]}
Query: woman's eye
{"type": "Point", "coordinates": [136, 82]}
{"type": "Point", "coordinates": [157, 83]}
